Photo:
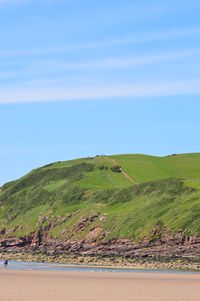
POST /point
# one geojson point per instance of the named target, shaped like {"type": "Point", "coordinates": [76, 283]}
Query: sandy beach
{"type": "Point", "coordinates": [95, 286]}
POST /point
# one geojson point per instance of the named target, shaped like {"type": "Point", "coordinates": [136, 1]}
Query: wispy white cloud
{"type": "Point", "coordinates": [136, 38]}
{"type": "Point", "coordinates": [123, 62]}
{"type": "Point", "coordinates": [60, 93]}
{"type": "Point", "coordinates": [44, 68]}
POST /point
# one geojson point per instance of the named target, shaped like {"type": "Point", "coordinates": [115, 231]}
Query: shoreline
{"type": "Point", "coordinates": [162, 264]}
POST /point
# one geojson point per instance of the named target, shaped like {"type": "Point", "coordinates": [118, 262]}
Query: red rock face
{"type": "Point", "coordinates": [95, 241]}
{"type": "Point", "coordinates": [169, 245]}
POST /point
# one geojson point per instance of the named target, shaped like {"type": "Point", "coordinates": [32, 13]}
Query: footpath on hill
{"type": "Point", "coordinates": [115, 163]}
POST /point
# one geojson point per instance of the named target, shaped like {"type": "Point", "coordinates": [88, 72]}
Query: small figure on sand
{"type": "Point", "coordinates": [5, 264]}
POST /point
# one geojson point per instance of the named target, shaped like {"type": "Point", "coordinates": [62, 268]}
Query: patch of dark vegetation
{"type": "Point", "coordinates": [74, 195]}
{"type": "Point", "coordinates": [103, 167]}
{"type": "Point", "coordinates": [8, 185]}
{"type": "Point", "coordinates": [166, 189]}
{"type": "Point", "coordinates": [42, 177]}
{"type": "Point", "coordinates": [116, 168]}
{"type": "Point", "coordinates": [25, 200]}
{"type": "Point", "coordinates": [48, 165]}
{"type": "Point", "coordinates": [102, 196]}
{"type": "Point", "coordinates": [170, 186]}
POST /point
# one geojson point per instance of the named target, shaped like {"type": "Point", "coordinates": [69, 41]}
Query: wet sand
{"type": "Point", "coordinates": [96, 286]}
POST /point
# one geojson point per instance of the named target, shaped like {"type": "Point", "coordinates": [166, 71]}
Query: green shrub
{"type": "Point", "coordinates": [103, 167]}
{"type": "Point", "coordinates": [116, 168]}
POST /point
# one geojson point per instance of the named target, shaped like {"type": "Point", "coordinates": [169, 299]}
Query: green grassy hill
{"type": "Point", "coordinates": [132, 195]}
{"type": "Point", "coordinates": [148, 168]}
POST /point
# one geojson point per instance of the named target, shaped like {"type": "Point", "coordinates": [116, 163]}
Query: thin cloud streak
{"type": "Point", "coordinates": [118, 63]}
{"type": "Point", "coordinates": [31, 94]}
{"type": "Point", "coordinates": [128, 40]}
{"type": "Point", "coordinates": [48, 66]}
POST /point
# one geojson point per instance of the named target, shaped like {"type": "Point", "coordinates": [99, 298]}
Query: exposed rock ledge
{"type": "Point", "coordinates": [95, 243]}
{"type": "Point", "coordinates": [169, 246]}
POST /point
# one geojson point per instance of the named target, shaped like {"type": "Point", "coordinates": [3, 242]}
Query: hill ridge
{"type": "Point", "coordinates": [89, 206]}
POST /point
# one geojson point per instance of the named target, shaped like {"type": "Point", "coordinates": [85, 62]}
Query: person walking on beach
{"type": "Point", "coordinates": [5, 264]}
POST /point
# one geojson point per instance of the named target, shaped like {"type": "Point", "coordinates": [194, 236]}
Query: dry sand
{"type": "Point", "coordinates": [96, 286]}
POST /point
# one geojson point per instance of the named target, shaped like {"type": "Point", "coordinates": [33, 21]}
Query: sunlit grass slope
{"type": "Point", "coordinates": [166, 195]}
{"type": "Point", "coordinates": [145, 168]}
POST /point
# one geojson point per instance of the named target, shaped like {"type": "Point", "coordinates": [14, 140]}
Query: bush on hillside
{"type": "Point", "coordinates": [103, 167]}
{"type": "Point", "coordinates": [116, 168]}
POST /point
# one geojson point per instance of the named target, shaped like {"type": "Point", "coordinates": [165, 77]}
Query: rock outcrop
{"type": "Point", "coordinates": [95, 243]}
{"type": "Point", "coordinates": [95, 240]}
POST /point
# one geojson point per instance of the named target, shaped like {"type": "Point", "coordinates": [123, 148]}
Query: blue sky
{"type": "Point", "coordinates": [84, 77]}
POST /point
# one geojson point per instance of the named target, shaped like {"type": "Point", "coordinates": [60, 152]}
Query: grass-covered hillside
{"type": "Point", "coordinates": [130, 195]}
